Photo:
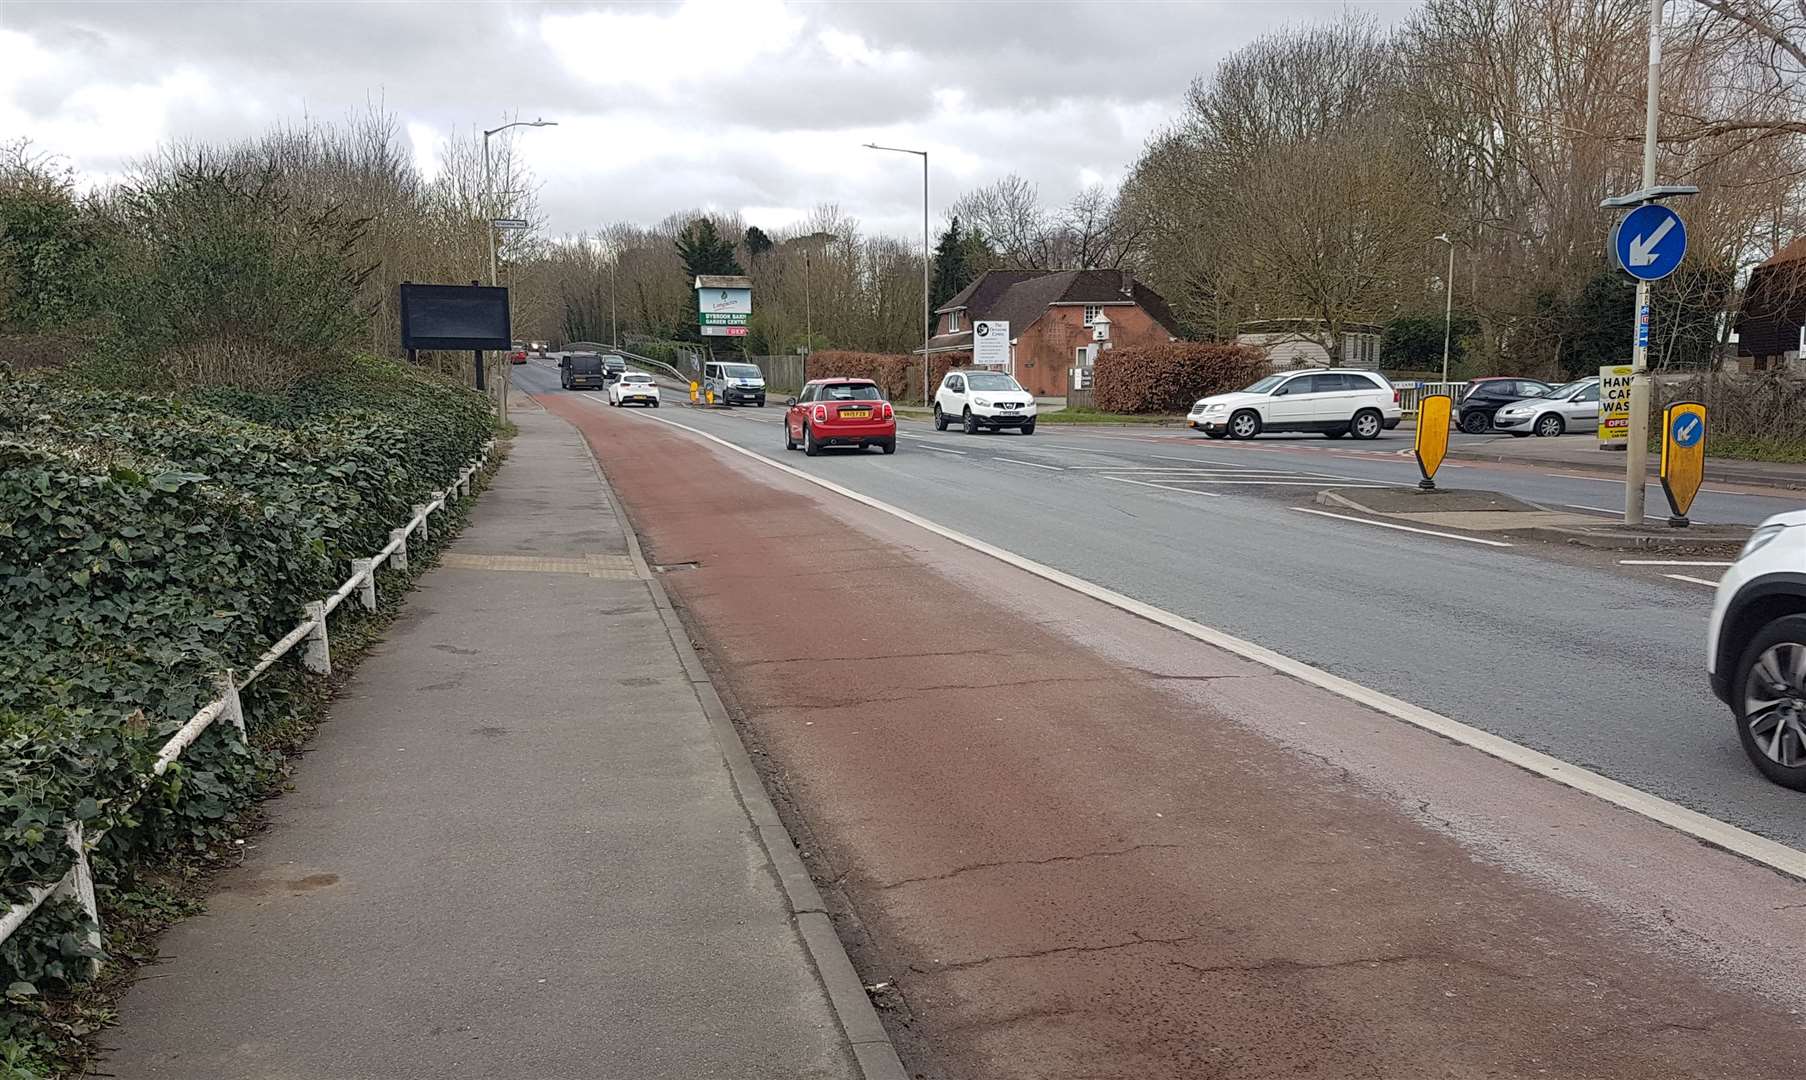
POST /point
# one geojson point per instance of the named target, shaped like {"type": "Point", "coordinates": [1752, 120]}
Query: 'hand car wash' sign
{"type": "Point", "coordinates": [1614, 404]}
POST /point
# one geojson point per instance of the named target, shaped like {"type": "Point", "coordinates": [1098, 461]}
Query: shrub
{"type": "Point", "coordinates": [1170, 376]}
{"type": "Point", "coordinates": [146, 544]}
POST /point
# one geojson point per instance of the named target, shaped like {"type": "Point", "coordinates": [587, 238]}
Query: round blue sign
{"type": "Point", "coordinates": [1649, 242]}
{"type": "Point", "coordinates": [1687, 429]}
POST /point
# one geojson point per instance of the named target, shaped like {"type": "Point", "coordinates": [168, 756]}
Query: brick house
{"type": "Point", "coordinates": [1770, 334]}
{"type": "Point", "coordinates": [1059, 320]}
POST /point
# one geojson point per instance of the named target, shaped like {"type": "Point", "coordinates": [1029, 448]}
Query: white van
{"type": "Point", "coordinates": [734, 384]}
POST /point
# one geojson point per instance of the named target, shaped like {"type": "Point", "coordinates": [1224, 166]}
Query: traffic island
{"type": "Point", "coordinates": [1494, 512]}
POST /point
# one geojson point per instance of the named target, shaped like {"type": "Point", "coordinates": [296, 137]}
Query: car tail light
{"type": "Point", "coordinates": [1395, 398]}
{"type": "Point", "coordinates": [821, 414]}
{"type": "Point", "coordinates": [885, 412]}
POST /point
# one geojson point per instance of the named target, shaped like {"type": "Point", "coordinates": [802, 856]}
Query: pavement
{"type": "Point", "coordinates": [1064, 841]}
{"type": "Point", "coordinates": [527, 844]}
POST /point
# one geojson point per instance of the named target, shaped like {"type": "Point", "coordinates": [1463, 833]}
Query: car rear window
{"type": "Point", "coordinates": [586, 365]}
{"type": "Point", "coordinates": [850, 392]}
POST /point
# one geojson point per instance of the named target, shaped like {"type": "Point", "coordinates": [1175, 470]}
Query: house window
{"type": "Point", "coordinates": [1093, 312]}
{"type": "Point", "coordinates": [1081, 356]}
{"type": "Point", "coordinates": [953, 322]}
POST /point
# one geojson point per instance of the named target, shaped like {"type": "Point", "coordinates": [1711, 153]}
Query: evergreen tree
{"type": "Point", "coordinates": [757, 243]}
{"type": "Point", "coordinates": [704, 251]}
{"type": "Point", "coordinates": [953, 268]}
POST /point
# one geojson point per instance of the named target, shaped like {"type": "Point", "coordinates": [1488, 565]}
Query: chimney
{"type": "Point", "coordinates": [1128, 285]}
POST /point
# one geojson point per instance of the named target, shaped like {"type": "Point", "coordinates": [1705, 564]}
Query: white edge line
{"type": "Point", "coordinates": [1742, 842]}
{"type": "Point", "coordinates": [1694, 580]}
{"type": "Point", "coordinates": [1030, 464]}
{"type": "Point", "coordinates": [1164, 487]}
{"type": "Point", "coordinates": [1672, 562]}
{"type": "Point", "coordinates": [1402, 528]}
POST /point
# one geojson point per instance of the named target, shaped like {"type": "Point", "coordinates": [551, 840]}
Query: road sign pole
{"type": "Point", "coordinates": [1636, 459]}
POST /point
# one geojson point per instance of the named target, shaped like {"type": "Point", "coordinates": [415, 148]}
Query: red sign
{"type": "Point", "coordinates": [723, 331]}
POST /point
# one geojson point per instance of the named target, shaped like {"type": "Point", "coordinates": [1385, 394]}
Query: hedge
{"type": "Point", "coordinates": [146, 543]}
{"type": "Point", "coordinates": [1167, 378]}
{"type": "Point", "coordinates": [898, 376]}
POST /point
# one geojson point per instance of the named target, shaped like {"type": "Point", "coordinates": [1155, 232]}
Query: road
{"type": "Point", "coordinates": [1065, 838]}
{"type": "Point", "coordinates": [1595, 663]}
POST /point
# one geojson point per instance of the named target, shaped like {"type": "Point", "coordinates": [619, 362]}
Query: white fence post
{"type": "Point", "coordinates": [399, 537]}
{"type": "Point", "coordinates": [420, 511]}
{"type": "Point", "coordinates": [79, 884]}
{"type": "Point", "coordinates": [366, 592]}
{"type": "Point", "coordinates": [234, 712]}
{"type": "Point", "coordinates": [318, 657]}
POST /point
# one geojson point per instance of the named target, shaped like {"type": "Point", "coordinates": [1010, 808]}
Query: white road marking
{"type": "Point", "coordinates": [1673, 562]}
{"type": "Point", "coordinates": [1402, 528]}
{"type": "Point", "coordinates": [1761, 849]}
{"type": "Point", "coordinates": [1694, 580]}
{"type": "Point", "coordinates": [1030, 464]}
{"type": "Point", "coordinates": [942, 449]}
{"type": "Point", "coordinates": [1163, 487]}
{"type": "Point", "coordinates": [1594, 509]}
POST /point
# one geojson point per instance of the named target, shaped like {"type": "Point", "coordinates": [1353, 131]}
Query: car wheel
{"type": "Point", "coordinates": [655, 404]}
{"type": "Point", "coordinates": [970, 422]}
{"type": "Point", "coordinates": [1244, 424]}
{"type": "Point", "coordinates": [1028, 428]}
{"type": "Point", "coordinates": [1335, 433]}
{"type": "Point", "coordinates": [940, 418]}
{"type": "Point", "coordinates": [1549, 425]}
{"type": "Point", "coordinates": [789, 443]}
{"type": "Point", "coordinates": [1475, 423]}
{"type": "Point", "coordinates": [1770, 702]}
{"type": "Point", "coordinates": [1367, 424]}
{"type": "Point", "coordinates": [809, 447]}
{"type": "Point", "coordinates": [889, 446]}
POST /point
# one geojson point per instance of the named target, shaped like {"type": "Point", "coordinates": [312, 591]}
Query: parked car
{"type": "Point", "coordinates": [1487, 396]}
{"type": "Point", "coordinates": [840, 412]}
{"type": "Point", "coordinates": [633, 388]}
{"type": "Point", "coordinates": [1756, 647]}
{"type": "Point", "coordinates": [734, 384]}
{"type": "Point", "coordinates": [978, 399]}
{"type": "Point", "coordinates": [579, 370]}
{"type": "Point", "coordinates": [1335, 403]}
{"type": "Point", "coordinates": [1570, 407]}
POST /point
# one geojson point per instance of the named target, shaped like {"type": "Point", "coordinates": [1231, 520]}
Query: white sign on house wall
{"type": "Point", "coordinates": [991, 344]}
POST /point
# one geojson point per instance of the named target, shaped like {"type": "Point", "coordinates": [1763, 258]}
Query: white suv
{"type": "Point", "coordinates": [1337, 402]}
{"type": "Point", "coordinates": [1756, 647]}
{"type": "Point", "coordinates": [983, 399]}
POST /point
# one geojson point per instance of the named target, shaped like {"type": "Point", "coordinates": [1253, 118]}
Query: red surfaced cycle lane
{"type": "Point", "coordinates": [1068, 862]}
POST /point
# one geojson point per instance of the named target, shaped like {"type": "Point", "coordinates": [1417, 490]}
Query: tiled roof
{"type": "Point", "coordinates": [1020, 297]}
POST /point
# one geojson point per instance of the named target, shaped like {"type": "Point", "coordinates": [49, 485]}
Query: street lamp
{"type": "Point", "coordinates": [927, 326]}
{"type": "Point", "coordinates": [489, 220]}
{"type": "Point", "coordinates": [1448, 309]}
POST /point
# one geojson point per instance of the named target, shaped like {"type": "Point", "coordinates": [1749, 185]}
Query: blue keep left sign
{"type": "Point", "coordinates": [1650, 241]}
{"type": "Point", "coordinates": [1687, 429]}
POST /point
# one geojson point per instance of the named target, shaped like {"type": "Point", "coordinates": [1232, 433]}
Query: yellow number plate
{"type": "Point", "coordinates": [855, 414]}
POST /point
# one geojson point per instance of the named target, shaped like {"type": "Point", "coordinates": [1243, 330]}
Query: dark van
{"type": "Point", "coordinates": [581, 371]}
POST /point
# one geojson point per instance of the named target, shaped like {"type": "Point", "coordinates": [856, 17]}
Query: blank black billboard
{"type": "Point", "coordinates": [454, 317]}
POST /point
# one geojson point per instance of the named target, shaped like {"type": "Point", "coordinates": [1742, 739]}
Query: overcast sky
{"type": "Point", "coordinates": [758, 106]}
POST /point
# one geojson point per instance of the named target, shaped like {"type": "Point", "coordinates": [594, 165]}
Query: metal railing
{"type": "Point", "coordinates": [78, 882]}
{"type": "Point", "coordinates": [1410, 393]}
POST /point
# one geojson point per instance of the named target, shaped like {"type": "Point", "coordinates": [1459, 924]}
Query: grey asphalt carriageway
{"type": "Point", "coordinates": [1593, 662]}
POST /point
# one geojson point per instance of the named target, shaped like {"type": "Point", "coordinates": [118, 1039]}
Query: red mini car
{"type": "Point", "coordinates": [840, 412]}
{"type": "Point", "coordinates": [518, 356]}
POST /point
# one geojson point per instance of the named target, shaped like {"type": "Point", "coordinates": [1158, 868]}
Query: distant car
{"type": "Point", "coordinates": [518, 356]}
{"type": "Point", "coordinates": [734, 384]}
{"type": "Point", "coordinates": [582, 370]}
{"type": "Point", "coordinates": [1756, 647]}
{"type": "Point", "coordinates": [633, 388]}
{"type": "Point", "coordinates": [613, 366]}
{"type": "Point", "coordinates": [840, 412]}
{"type": "Point", "coordinates": [1334, 403]}
{"type": "Point", "coordinates": [1486, 396]}
{"type": "Point", "coordinates": [1570, 407]}
{"type": "Point", "coordinates": [983, 399]}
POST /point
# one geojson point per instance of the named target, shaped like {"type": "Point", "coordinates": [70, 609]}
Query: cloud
{"type": "Point", "coordinates": [756, 106]}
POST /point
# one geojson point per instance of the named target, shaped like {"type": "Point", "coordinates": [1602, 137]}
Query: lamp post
{"type": "Point", "coordinates": [927, 326]}
{"type": "Point", "coordinates": [1448, 309]}
{"type": "Point", "coordinates": [489, 222]}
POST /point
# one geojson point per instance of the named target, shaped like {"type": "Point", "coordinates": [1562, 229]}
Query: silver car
{"type": "Point", "coordinates": [1570, 407]}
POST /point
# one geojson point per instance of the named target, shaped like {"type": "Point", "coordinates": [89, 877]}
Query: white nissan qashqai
{"type": "Point", "coordinates": [976, 399]}
{"type": "Point", "coordinates": [1756, 647]}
